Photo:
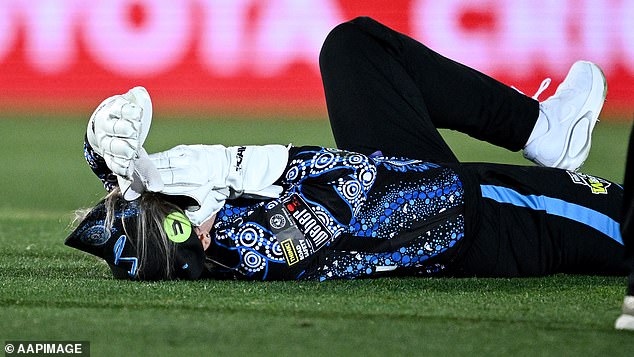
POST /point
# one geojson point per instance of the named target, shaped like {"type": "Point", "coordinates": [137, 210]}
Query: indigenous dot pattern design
{"type": "Point", "coordinates": [399, 204]}
{"type": "Point", "coordinates": [249, 238]}
{"type": "Point", "coordinates": [242, 231]}
{"type": "Point", "coordinates": [422, 208]}
{"type": "Point", "coordinates": [352, 186]}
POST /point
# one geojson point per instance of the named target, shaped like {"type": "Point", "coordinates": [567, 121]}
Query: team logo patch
{"type": "Point", "coordinates": [177, 227]}
{"type": "Point", "coordinates": [95, 235]}
{"type": "Point", "coordinates": [277, 221]}
{"type": "Point", "coordinates": [597, 185]}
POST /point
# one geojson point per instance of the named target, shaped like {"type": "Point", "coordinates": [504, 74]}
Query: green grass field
{"type": "Point", "coordinates": [51, 292]}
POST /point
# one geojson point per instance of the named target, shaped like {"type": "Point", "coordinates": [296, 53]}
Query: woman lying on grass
{"type": "Point", "coordinates": [391, 200]}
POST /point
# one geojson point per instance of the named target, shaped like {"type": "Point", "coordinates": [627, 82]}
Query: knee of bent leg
{"type": "Point", "coordinates": [340, 40]}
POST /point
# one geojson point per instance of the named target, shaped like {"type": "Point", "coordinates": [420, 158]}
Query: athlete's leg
{"type": "Point", "coordinates": [386, 91]}
{"type": "Point", "coordinates": [373, 102]}
{"type": "Point", "coordinates": [626, 320]}
{"type": "Point", "coordinates": [535, 221]}
{"type": "Point", "coordinates": [627, 225]}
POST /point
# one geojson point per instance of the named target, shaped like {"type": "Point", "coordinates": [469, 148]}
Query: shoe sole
{"type": "Point", "coordinates": [599, 92]}
{"type": "Point", "coordinates": [625, 322]}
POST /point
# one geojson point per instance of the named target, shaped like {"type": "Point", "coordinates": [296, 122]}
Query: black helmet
{"type": "Point", "coordinates": [118, 245]}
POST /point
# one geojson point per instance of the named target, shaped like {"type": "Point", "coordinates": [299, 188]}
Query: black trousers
{"type": "Point", "coordinates": [387, 92]}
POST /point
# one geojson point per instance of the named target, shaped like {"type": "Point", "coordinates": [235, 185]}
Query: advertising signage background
{"type": "Point", "coordinates": [260, 57]}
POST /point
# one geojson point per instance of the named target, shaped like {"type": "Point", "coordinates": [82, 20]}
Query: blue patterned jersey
{"type": "Point", "coordinates": [343, 215]}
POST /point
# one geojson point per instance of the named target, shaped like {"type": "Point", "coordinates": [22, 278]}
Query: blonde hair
{"type": "Point", "coordinates": [151, 241]}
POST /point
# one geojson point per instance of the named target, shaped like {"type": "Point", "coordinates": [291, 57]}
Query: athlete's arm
{"type": "Point", "coordinates": [211, 174]}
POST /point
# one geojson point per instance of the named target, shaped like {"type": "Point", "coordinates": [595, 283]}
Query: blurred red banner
{"type": "Point", "coordinates": [257, 57]}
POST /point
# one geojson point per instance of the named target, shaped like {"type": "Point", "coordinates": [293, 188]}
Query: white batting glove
{"type": "Point", "coordinates": [184, 171]}
{"type": "Point", "coordinates": [145, 177]}
{"type": "Point", "coordinates": [211, 174]}
{"type": "Point", "coordinates": [118, 128]}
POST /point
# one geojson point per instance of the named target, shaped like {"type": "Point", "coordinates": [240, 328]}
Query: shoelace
{"type": "Point", "coordinates": [542, 87]}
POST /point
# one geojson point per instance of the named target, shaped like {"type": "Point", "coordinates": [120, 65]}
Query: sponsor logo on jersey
{"type": "Point", "coordinates": [297, 229]}
{"type": "Point", "coordinates": [308, 222]}
{"type": "Point", "coordinates": [289, 252]}
{"type": "Point", "coordinates": [597, 185]}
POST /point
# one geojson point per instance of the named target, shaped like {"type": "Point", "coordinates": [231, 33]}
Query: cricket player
{"type": "Point", "coordinates": [392, 199]}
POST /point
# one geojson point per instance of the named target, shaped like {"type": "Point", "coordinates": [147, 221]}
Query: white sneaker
{"type": "Point", "coordinates": [626, 320]}
{"type": "Point", "coordinates": [561, 137]}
